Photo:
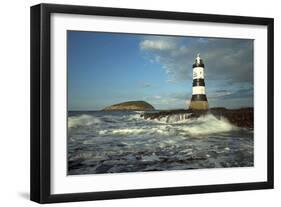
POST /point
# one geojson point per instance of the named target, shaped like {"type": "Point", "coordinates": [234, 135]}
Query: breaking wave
{"type": "Point", "coordinates": [175, 118]}
{"type": "Point", "coordinates": [113, 142]}
{"type": "Point", "coordinates": [133, 124]}
{"type": "Point", "coordinates": [208, 124]}
{"type": "Point", "coordinates": [82, 120]}
{"type": "Point", "coordinates": [181, 125]}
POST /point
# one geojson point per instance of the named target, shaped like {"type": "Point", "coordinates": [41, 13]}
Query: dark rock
{"type": "Point", "coordinates": [243, 117]}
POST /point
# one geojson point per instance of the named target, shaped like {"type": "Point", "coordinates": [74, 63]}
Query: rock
{"type": "Point", "coordinates": [130, 106]}
{"type": "Point", "coordinates": [243, 117]}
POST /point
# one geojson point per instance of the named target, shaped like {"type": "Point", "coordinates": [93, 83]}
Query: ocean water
{"type": "Point", "coordinates": [116, 142]}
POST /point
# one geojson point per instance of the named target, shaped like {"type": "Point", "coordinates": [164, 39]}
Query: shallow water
{"type": "Point", "coordinates": [114, 142]}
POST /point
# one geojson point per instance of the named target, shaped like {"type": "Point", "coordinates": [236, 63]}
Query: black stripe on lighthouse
{"type": "Point", "coordinates": [198, 64]}
{"type": "Point", "coordinates": [198, 82]}
{"type": "Point", "coordinates": [199, 97]}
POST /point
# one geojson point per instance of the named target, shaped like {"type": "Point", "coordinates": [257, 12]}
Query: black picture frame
{"type": "Point", "coordinates": [41, 98]}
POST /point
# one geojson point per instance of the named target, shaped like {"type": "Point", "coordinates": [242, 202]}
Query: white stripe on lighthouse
{"type": "Point", "coordinates": [198, 73]}
{"type": "Point", "coordinates": [198, 90]}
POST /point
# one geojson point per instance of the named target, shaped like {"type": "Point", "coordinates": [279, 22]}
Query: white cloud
{"type": "Point", "coordinates": [157, 97]}
{"type": "Point", "coordinates": [218, 94]}
{"type": "Point", "coordinates": [171, 81]}
{"type": "Point", "coordinates": [225, 59]}
{"type": "Point", "coordinates": [160, 45]}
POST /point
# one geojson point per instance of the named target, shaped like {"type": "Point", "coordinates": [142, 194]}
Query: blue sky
{"type": "Point", "coordinates": [109, 68]}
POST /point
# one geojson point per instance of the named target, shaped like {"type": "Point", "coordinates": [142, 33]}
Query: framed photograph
{"type": "Point", "coordinates": [133, 103]}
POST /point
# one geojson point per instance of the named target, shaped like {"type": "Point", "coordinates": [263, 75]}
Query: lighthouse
{"type": "Point", "coordinates": [199, 99]}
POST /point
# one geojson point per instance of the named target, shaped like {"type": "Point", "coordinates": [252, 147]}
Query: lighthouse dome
{"type": "Point", "coordinates": [198, 62]}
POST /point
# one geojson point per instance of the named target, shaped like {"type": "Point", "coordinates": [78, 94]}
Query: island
{"type": "Point", "coordinates": [130, 106]}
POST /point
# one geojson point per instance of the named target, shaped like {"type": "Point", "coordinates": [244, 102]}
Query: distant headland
{"type": "Point", "coordinates": [130, 106]}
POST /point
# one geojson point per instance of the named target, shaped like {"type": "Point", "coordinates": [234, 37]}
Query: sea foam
{"type": "Point", "coordinates": [204, 125]}
{"type": "Point", "coordinates": [82, 120]}
{"type": "Point", "coordinates": [208, 124]}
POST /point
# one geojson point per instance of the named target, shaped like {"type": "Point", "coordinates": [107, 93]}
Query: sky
{"type": "Point", "coordinates": [109, 68]}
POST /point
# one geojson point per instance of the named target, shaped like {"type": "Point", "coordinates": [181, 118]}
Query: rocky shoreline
{"type": "Point", "coordinates": [243, 117]}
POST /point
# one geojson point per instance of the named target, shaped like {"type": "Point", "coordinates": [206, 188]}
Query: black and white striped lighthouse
{"type": "Point", "coordinates": [199, 99]}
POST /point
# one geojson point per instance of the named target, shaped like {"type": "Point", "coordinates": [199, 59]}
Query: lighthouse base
{"type": "Point", "coordinates": [199, 105]}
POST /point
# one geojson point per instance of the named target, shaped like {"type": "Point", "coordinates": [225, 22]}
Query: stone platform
{"type": "Point", "coordinates": [243, 117]}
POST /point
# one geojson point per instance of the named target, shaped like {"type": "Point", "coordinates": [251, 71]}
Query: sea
{"type": "Point", "coordinates": [117, 142]}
